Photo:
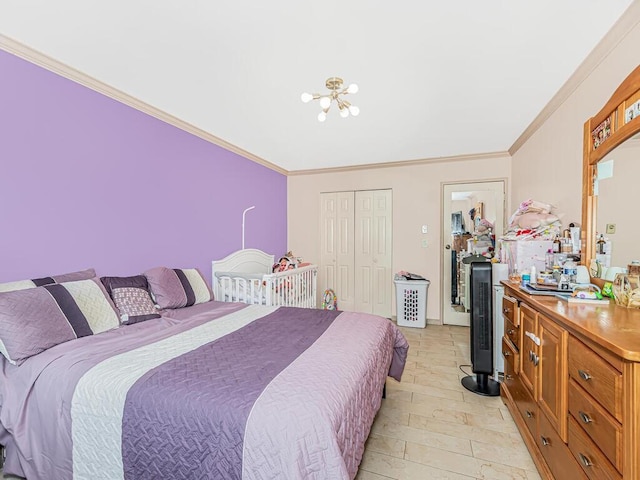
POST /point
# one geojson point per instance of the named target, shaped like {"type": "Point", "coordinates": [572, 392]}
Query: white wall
{"type": "Point", "coordinates": [416, 202]}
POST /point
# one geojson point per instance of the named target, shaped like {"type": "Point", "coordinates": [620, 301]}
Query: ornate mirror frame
{"type": "Point", "coordinates": [602, 133]}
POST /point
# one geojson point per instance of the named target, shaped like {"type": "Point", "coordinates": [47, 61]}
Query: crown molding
{"type": "Point", "coordinates": [402, 163]}
{"type": "Point", "coordinates": [629, 19]}
{"type": "Point", "coordinates": [27, 53]}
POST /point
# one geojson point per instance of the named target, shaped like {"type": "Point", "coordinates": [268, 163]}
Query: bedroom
{"type": "Point", "coordinates": [148, 164]}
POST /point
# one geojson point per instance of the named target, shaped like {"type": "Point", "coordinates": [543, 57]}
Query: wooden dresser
{"type": "Point", "coordinates": [572, 384]}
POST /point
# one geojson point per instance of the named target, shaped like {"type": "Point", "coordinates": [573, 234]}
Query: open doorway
{"type": "Point", "coordinates": [472, 219]}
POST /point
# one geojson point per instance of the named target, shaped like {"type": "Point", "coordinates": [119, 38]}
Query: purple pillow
{"type": "Point", "coordinates": [131, 297]}
{"type": "Point", "coordinates": [177, 288]}
{"type": "Point", "coordinates": [35, 319]}
{"type": "Point", "coordinates": [38, 282]}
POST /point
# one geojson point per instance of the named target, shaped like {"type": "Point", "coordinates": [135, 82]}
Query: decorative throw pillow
{"type": "Point", "coordinates": [36, 319]}
{"type": "Point", "coordinates": [131, 297]}
{"type": "Point", "coordinates": [177, 288]}
{"type": "Point", "coordinates": [38, 282]}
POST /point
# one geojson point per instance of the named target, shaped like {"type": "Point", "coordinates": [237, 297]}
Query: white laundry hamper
{"type": "Point", "coordinates": [411, 302]}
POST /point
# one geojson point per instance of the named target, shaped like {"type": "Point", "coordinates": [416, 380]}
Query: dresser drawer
{"type": "Point", "coordinates": [511, 355]}
{"type": "Point", "coordinates": [589, 456]}
{"type": "Point", "coordinates": [601, 427]}
{"type": "Point", "coordinates": [596, 376]}
{"type": "Point", "coordinates": [512, 333]}
{"type": "Point", "coordinates": [528, 409]}
{"type": "Point", "coordinates": [512, 380]}
{"type": "Point", "coordinates": [510, 310]}
{"type": "Point", "coordinates": [556, 453]}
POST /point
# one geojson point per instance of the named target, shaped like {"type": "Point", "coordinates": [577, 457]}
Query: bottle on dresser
{"type": "Point", "coordinates": [556, 244]}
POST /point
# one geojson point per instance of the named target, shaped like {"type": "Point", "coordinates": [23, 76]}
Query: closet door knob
{"type": "Point", "coordinates": [545, 441]}
{"type": "Point", "coordinates": [448, 247]}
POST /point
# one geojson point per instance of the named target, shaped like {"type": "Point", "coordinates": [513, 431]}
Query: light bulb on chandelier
{"type": "Point", "coordinates": [325, 102]}
{"type": "Point", "coordinates": [337, 93]}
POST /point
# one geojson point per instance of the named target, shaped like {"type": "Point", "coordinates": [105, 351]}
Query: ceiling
{"type": "Point", "coordinates": [436, 79]}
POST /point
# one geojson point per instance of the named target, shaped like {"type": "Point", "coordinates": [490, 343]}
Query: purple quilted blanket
{"type": "Point", "coordinates": [211, 391]}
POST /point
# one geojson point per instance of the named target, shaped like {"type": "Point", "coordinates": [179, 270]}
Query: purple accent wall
{"type": "Point", "coordinates": [86, 181]}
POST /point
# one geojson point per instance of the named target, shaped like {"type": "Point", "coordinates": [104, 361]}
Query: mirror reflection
{"type": "Point", "coordinates": [617, 216]}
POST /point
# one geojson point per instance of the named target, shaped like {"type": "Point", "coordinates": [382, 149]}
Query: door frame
{"type": "Point", "coordinates": [444, 301]}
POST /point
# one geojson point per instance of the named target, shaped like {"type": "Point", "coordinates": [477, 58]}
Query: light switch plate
{"type": "Point", "coordinates": [425, 244]}
{"type": "Point", "coordinates": [611, 228]}
{"type": "Point", "coordinates": [424, 229]}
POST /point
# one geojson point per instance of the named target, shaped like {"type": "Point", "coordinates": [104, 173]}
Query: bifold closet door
{"type": "Point", "coordinates": [373, 234]}
{"type": "Point", "coordinates": [337, 247]}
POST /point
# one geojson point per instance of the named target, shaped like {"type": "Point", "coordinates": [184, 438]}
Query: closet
{"type": "Point", "coordinates": [355, 249]}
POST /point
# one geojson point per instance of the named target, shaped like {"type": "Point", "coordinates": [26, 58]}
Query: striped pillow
{"type": "Point", "coordinates": [38, 282]}
{"type": "Point", "coordinates": [177, 288]}
{"type": "Point", "coordinates": [36, 319]}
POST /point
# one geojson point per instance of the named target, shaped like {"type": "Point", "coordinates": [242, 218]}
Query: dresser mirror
{"type": "Point", "coordinates": [611, 169]}
{"type": "Point", "coordinates": [617, 216]}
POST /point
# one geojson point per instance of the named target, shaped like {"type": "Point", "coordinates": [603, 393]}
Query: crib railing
{"type": "Point", "coordinates": [292, 288]}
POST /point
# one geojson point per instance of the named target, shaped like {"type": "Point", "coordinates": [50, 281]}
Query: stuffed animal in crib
{"type": "Point", "coordinates": [285, 263]}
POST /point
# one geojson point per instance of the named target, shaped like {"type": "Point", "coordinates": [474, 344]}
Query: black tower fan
{"type": "Point", "coordinates": [481, 332]}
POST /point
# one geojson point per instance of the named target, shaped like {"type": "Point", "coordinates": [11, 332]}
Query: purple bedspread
{"type": "Point", "coordinates": [170, 406]}
{"type": "Point", "coordinates": [211, 391]}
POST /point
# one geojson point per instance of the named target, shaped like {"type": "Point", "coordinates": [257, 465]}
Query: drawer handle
{"type": "Point", "coordinates": [585, 418]}
{"type": "Point", "coordinates": [585, 460]}
{"type": "Point", "coordinates": [531, 356]}
{"type": "Point", "coordinates": [506, 353]}
{"type": "Point", "coordinates": [584, 375]}
{"type": "Point", "coordinates": [506, 310]}
{"type": "Point", "coordinates": [510, 331]}
{"type": "Point", "coordinates": [529, 414]}
{"type": "Point", "coordinates": [508, 377]}
{"type": "Point", "coordinates": [545, 441]}
{"type": "Point", "coordinates": [536, 360]}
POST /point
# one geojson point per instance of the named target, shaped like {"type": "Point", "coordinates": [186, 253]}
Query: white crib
{"type": "Point", "coordinates": [246, 276]}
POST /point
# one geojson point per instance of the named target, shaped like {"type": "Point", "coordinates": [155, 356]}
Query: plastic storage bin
{"type": "Point", "coordinates": [411, 302]}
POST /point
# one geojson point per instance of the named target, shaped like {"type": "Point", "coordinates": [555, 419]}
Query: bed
{"type": "Point", "coordinates": [212, 390]}
{"type": "Point", "coordinates": [246, 276]}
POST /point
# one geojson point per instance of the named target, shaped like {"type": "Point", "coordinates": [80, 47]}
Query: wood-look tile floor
{"type": "Point", "coordinates": [431, 427]}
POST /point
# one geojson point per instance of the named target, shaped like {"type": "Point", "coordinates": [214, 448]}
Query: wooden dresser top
{"type": "Point", "coordinates": [615, 328]}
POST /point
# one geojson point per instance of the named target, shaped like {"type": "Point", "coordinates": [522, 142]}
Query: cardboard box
{"type": "Point", "coordinates": [523, 254]}
{"type": "Point", "coordinates": [460, 241]}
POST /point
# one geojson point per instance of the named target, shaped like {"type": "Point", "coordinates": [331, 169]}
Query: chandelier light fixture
{"type": "Point", "coordinates": [336, 94]}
